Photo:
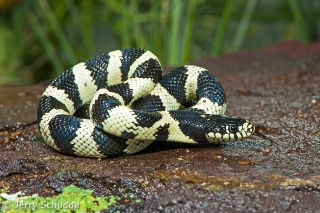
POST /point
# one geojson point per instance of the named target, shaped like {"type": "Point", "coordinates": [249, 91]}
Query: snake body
{"type": "Point", "coordinates": [118, 103]}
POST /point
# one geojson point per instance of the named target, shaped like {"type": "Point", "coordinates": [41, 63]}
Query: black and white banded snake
{"type": "Point", "coordinates": [130, 105]}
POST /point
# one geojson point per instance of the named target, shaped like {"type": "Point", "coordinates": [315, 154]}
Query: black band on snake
{"type": "Point", "coordinates": [118, 103]}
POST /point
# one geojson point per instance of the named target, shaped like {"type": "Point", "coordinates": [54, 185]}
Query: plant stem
{"type": "Point", "coordinates": [58, 68]}
{"type": "Point", "coordinates": [174, 32]}
{"type": "Point", "coordinates": [218, 40]}
{"type": "Point", "coordinates": [243, 26]}
{"type": "Point", "coordinates": [64, 43]}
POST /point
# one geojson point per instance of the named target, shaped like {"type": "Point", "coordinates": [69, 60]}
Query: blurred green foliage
{"type": "Point", "coordinates": [39, 39]}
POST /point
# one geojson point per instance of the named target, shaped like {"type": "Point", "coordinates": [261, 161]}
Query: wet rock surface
{"type": "Point", "coordinates": [277, 88]}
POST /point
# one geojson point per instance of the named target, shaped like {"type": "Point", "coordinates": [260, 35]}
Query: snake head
{"type": "Point", "coordinates": [224, 128]}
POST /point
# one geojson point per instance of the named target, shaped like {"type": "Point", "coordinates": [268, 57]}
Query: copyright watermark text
{"type": "Point", "coordinates": [41, 205]}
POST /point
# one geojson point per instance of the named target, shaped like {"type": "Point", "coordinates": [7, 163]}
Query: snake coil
{"type": "Point", "coordinates": [118, 103]}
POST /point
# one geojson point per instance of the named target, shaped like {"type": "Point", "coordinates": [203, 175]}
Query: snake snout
{"type": "Point", "coordinates": [245, 130]}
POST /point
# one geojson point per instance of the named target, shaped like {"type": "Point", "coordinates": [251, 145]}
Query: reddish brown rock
{"type": "Point", "coordinates": [277, 88]}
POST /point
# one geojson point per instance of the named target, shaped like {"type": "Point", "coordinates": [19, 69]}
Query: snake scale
{"type": "Point", "coordinates": [118, 103]}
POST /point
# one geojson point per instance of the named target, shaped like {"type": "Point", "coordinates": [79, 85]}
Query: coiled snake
{"type": "Point", "coordinates": [130, 105]}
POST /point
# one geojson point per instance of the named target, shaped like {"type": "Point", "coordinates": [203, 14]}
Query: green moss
{"type": "Point", "coordinates": [72, 199]}
{"type": "Point", "coordinates": [211, 182]}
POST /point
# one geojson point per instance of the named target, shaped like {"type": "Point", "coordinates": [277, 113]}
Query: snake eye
{"type": "Point", "coordinates": [233, 128]}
